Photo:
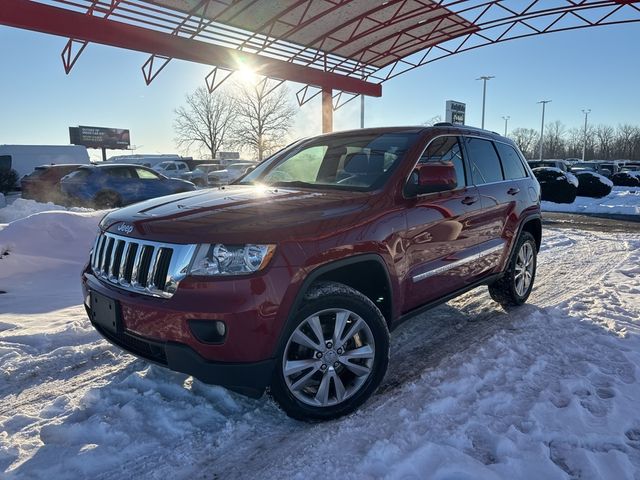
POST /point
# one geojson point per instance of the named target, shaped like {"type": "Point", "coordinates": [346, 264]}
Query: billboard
{"type": "Point", "coordinates": [100, 137]}
{"type": "Point", "coordinates": [455, 112]}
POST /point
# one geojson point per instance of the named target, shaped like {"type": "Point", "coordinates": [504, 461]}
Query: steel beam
{"type": "Point", "coordinates": [327, 111]}
{"type": "Point", "coordinates": [43, 18]}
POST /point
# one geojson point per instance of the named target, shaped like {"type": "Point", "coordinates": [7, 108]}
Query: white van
{"type": "Point", "coordinates": [25, 158]}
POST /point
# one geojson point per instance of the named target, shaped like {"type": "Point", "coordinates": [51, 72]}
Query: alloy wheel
{"type": "Point", "coordinates": [524, 269]}
{"type": "Point", "coordinates": [328, 357]}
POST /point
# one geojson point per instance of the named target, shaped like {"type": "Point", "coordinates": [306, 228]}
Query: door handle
{"type": "Point", "coordinates": [469, 200]}
{"type": "Point", "coordinates": [513, 191]}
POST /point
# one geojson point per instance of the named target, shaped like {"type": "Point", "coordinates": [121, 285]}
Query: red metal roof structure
{"type": "Point", "coordinates": [343, 48]}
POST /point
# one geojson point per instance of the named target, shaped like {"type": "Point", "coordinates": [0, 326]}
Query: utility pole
{"type": "Point", "coordinates": [361, 111]}
{"type": "Point", "coordinates": [484, 93]}
{"type": "Point", "coordinates": [584, 145]}
{"type": "Point", "coordinates": [506, 122]}
{"type": "Point", "coordinates": [544, 104]}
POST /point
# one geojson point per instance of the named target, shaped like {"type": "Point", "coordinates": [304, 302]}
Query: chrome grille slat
{"type": "Point", "coordinates": [153, 266]}
{"type": "Point", "coordinates": [113, 258]}
{"type": "Point", "coordinates": [123, 261]}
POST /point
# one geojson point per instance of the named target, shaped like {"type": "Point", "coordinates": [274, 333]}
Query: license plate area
{"type": "Point", "coordinates": [105, 312]}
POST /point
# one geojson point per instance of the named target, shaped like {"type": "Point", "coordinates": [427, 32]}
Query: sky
{"type": "Point", "coordinates": [595, 68]}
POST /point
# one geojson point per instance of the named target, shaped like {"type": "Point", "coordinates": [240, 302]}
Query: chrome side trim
{"type": "Point", "coordinates": [458, 263]}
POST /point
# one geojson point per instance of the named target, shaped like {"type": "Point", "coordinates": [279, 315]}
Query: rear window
{"type": "Point", "coordinates": [5, 162]}
{"type": "Point", "coordinates": [511, 162]}
{"type": "Point", "coordinates": [484, 161]}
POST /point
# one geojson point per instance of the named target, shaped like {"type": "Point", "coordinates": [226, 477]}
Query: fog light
{"type": "Point", "coordinates": [208, 331]}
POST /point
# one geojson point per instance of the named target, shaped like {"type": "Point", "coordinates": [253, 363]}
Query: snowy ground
{"type": "Point", "coordinates": [547, 391]}
{"type": "Point", "coordinates": [621, 201]}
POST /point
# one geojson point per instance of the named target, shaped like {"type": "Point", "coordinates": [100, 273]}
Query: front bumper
{"type": "Point", "coordinates": [249, 379]}
{"type": "Point", "coordinates": [159, 330]}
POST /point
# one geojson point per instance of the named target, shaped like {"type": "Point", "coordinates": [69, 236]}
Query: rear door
{"type": "Point", "coordinates": [441, 230]}
{"type": "Point", "coordinates": [499, 197]}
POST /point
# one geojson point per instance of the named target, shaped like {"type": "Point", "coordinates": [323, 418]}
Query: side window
{"type": "Point", "coordinates": [146, 174]}
{"type": "Point", "coordinates": [511, 162]}
{"type": "Point", "coordinates": [119, 172]}
{"type": "Point", "coordinates": [483, 160]}
{"type": "Point", "coordinates": [446, 149]}
{"type": "Point", "coordinates": [182, 166]}
{"type": "Point", "coordinates": [171, 167]}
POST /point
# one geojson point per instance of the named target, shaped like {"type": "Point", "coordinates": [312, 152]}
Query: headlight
{"type": "Point", "coordinates": [222, 259]}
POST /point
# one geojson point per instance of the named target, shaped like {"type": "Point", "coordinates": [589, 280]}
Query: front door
{"type": "Point", "coordinates": [441, 231]}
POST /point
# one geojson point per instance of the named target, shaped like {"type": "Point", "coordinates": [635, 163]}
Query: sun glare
{"type": "Point", "coordinates": [247, 74]}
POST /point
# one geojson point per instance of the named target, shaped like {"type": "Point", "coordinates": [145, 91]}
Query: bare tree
{"type": "Point", "coordinates": [554, 144]}
{"type": "Point", "coordinates": [525, 139]}
{"type": "Point", "coordinates": [605, 136]}
{"type": "Point", "coordinates": [205, 121]}
{"type": "Point", "coordinates": [264, 117]}
{"type": "Point", "coordinates": [625, 138]}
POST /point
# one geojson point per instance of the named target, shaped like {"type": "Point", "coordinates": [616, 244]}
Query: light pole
{"type": "Point", "coordinates": [484, 93]}
{"type": "Point", "coordinates": [544, 104]}
{"type": "Point", "coordinates": [506, 122]}
{"type": "Point", "coordinates": [584, 145]}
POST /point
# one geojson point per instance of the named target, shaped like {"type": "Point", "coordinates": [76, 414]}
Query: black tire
{"type": "Point", "coordinates": [504, 291]}
{"type": "Point", "coordinates": [323, 297]}
{"type": "Point", "coordinates": [107, 199]}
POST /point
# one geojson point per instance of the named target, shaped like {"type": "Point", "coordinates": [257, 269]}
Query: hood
{"type": "Point", "coordinates": [240, 214]}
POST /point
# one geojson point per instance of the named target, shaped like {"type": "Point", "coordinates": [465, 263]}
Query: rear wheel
{"type": "Point", "coordinates": [107, 199]}
{"type": "Point", "coordinates": [515, 286]}
{"type": "Point", "coordinates": [335, 355]}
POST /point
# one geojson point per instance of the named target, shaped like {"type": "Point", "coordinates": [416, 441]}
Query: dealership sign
{"type": "Point", "coordinates": [100, 137]}
{"type": "Point", "coordinates": [456, 112]}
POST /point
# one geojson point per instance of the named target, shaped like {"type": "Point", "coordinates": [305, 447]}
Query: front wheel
{"type": "Point", "coordinates": [335, 354]}
{"type": "Point", "coordinates": [515, 286]}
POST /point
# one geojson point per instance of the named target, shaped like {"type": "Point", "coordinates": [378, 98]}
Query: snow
{"type": "Point", "coordinates": [621, 201]}
{"type": "Point", "coordinates": [548, 390]}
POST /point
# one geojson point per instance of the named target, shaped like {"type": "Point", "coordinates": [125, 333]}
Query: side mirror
{"type": "Point", "coordinates": [432, 178]}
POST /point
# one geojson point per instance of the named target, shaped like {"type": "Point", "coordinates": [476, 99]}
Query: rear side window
{"type": "Point", "coordinates": [79, 174]}
{"type": "Point", "coordinates": [511, 162]}
{"type": "Point", "coordinates": [146, 174]}
{"type": "Point", "coordinates": [444, 150]}
{"type": "Point", "coordinates": [484, 161]}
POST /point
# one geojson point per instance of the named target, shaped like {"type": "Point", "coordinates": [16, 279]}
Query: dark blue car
{"type": "Point", "coordinates": [115, 185]}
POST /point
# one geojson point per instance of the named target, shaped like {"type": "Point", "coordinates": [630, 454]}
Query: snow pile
{"type": "Point", "coordinates": [21, 208]}
{"type": "Point", "coordinates": [621, 201]}
{"type": "Point", "coordinates": [549, 390]}
{"type": "Point", "coordinates": [41, 259]}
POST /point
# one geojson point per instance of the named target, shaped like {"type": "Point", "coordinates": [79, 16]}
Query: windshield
{"type": "Point", "coordinates": [360, 161]}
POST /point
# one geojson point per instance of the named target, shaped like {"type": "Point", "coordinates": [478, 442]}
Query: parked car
{"type": "Point", "coordinates": [115, 185]}
{"type": "Point", "coordinates": [230, 173]}
{"type": "Point", "coordinates": [605, 169]}
{"type": "Point", "coordinates": [43, 184]}
{"type": "Point", "coordinates": [560, 164]}
{"type": "Point", "coordinates": [293, 277]}
{"type": "Point", "coordinates": [172, 168]}
{"type": "Point", "coordinates": [626, 179]}
{"type": "Point", "coordinates": [592, 184]}
{"type": "Point", "coordinates": [556, 185]}
{"type": "Point", "coordinates": [200, 175]}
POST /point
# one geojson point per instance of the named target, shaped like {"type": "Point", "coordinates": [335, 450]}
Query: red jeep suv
{"type": "Point", "coordinates": [291, 278]}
